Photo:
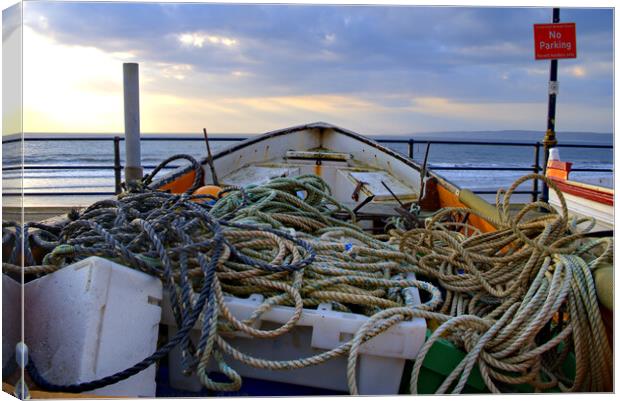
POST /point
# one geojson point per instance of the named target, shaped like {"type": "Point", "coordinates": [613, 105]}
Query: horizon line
{"type": "Point", "coordinates": [78, 133]}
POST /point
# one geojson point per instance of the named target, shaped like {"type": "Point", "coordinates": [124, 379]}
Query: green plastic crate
{"type": "Point", "coordinates": [441, 360]}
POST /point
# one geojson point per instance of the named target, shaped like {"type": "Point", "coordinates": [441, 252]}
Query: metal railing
{"type": "Point", "coordinates": [410, 142]}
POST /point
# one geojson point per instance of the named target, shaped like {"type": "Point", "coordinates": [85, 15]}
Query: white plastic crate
{"type": "Point", "coordinates": [11, 313]}
{"type": "Point", "coordinates": [92, 319]}
{"type": "Point", "coordinates": [380, 364]}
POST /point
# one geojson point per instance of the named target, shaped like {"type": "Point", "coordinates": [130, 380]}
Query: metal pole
{"type": "Point", "coordinates": [210, 159]}
{"type": "Point", "coordinates": [117, 165]}
{"type": "Point", "coordinates": [131, 92]}
{"type": "Point", "coordinates": [536, 170]}
{"type": "Point", "coordinates": [550, 140]}
{"type": "Point", "coordinates": [410, 148]}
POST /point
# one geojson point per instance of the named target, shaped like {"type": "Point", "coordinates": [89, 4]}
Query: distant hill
{"type": "Point", "coordinates": [509, 136]}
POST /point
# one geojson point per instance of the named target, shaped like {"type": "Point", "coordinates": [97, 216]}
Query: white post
{"type": "Point", "coordinates": [131, 92]}
{"type": "Point", "coordinates": [554, 154]}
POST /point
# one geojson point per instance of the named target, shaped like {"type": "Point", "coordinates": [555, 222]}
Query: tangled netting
{"type": "Point", "coordinates": [519, 301]}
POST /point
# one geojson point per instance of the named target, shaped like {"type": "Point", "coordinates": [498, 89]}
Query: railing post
{"type": "Point", "coordinates": [536, 170]}
{"type": "Point", "coordinates": [117, 165]}
{"type": "Point", "coordinates": [411, 148]}
{"type": "Point", "coordinates": [131, 92]}
{"type": "Point", "coordinates": [550, 140]}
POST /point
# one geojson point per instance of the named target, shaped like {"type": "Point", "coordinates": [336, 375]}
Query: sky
{"type": "Point", "coordinates": [254, 68]}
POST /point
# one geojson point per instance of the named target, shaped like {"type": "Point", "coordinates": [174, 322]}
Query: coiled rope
{"type": "Point", "coordinates": [280, 239]}
{"type": "Point", "coordinates": [518, 300]}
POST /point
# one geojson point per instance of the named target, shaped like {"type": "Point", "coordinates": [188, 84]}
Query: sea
{"type": "Point", "coordinates": [64, 161]}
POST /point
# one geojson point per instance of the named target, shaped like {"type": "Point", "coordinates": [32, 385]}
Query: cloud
{"type": "Point", "coordinates": [11, 70]}
{"type": "Point", "coordinates": [192, 39]}
{"type": "Point", "coordinates": [498, 50]}
{"type": "Point", "coordinates": [198, 39]}
{"type": "Point", "coordinates": [383, 56]}
{"type": "Point", "coordinates": [327, 104]}
{"type": "Point", "coordinates": [578, 71]}
{"type": "Point", "coordinates": [175, 71]}
{"type": "Point", "coordinates": [241, 73]}
{"type": "Point", "coordinates": [491, 112]}
{"type": "Point", "coordinates": [11, 20]}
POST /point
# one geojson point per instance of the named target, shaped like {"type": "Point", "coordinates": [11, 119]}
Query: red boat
{"type": "Point", "coordinates": [583, 200]}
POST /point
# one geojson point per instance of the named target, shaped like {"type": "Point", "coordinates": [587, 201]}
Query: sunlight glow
{"type": "Point", "coordinates": [578, 71]}
{"type": "Point", "coordinates": [70, 87]}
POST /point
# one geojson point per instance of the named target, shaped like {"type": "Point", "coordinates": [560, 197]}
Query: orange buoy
{"type": "Point", "coordinates": [208, 190]}
{"type": "Point", "coordinates": [212, 190]}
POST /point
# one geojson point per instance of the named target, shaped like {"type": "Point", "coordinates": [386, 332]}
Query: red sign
{"type": "Point", "coordinates": [553, 41]}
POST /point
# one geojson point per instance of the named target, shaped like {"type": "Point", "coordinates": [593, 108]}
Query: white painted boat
{"type": "Point", "coordinates": [354, 167]}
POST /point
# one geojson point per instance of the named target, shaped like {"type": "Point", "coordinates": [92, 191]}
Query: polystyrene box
{"type": "Point", "coordinates": [92, 319]}
{"type": "Point", "coordinates": [380, 364]}
{"type": "Point", "coordinates": [11, 312]}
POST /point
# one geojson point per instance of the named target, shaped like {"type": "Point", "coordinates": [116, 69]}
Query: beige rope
{"type": "Point", "coordinates": [518, 279]}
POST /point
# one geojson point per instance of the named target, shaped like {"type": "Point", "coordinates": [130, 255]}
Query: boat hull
{"type": "Point", "coordinates": [234, 166]}
{"type": "Point", "coordinates": [583, 200]}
